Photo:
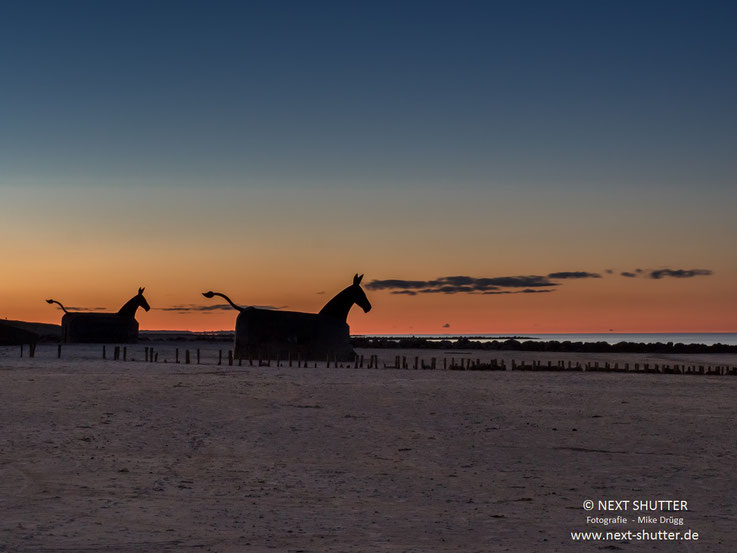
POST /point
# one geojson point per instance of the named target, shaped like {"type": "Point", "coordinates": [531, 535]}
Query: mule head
{"type": "Point", "coordinates": [142, 301]}
{"type": "Point", "coordinates": [359, 296]}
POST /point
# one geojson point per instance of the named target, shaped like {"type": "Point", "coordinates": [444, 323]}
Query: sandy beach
{"type": "Point", "coordinates": [137, 457]}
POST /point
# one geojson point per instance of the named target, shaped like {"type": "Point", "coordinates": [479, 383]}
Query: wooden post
{"type": "Point", "coordinates": [220, 357]}
{"type": "Point", "coordinates": [31, 350]}
{"type": "Point", "coordinates": [186, 356]}
{"type": "Point", "coordinates": [445, 363]}
{"type": "Point", "coordinates": [361, 363]}
{"type": "Point", "coordinates": [103, 353]}
{"type": "Point", "coordinates": [156, 357]}
{"type": "Point", "coordinates": [58, 352]}
{"type": "Point", "coordinates": [116, 353]}
{"type": "Point", "coordinates": [230, 357]}
{"type": "Point", "coordinates": [21, 350]}
{"type": "Point", "coordinates": [198, 356]}
{"type": "Point", "coordinates": [417, 360]}
{"type": "Point", "coordinates": [176, 355]}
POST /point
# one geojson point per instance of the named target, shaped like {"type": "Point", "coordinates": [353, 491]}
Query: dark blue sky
{"type": "Point", "coordinates": [573, 94]}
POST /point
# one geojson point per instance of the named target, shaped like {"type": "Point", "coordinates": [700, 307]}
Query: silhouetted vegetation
{"type": "Point", "coordinates": [537, 345]}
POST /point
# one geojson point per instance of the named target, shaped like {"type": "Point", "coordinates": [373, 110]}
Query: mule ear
{"type": "Point", "coordinates": [140, 290]}
{"type": "Point", "coordinates": [356, 280]}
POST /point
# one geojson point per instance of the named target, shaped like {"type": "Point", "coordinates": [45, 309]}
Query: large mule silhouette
{"type": "Point", "coordinates": [272, 334]}
{"type": "Point", "coordinates": [99, 328]}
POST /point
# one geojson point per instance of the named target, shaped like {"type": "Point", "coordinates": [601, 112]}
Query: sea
{"type": "Point", "coordinates": [707, 338]}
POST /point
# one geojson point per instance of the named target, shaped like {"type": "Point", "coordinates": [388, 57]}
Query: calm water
{"type": "Point", "coordinates": [708, 338]}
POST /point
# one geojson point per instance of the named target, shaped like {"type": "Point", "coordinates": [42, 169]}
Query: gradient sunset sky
{"type": "Point", "coordinates": [514, 167]}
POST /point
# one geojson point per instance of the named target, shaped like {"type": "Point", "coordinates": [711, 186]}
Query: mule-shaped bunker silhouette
{"type": "Point", "coordinates": [271, 334]}
{"type": "Point", "coordinates": [120, 327]}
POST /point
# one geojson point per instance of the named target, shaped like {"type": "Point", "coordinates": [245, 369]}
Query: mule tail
{"type": "Point", "coordinates": [64, 309]}
{"type": "Point", "coordinates": [210, 294]}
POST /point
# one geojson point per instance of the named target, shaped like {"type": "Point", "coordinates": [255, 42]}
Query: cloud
{"type": "Point", "coordinates": [74, 308]}
{"type": "Point", "coordinates": [529, 291]}
{"type": "Point", "coordinates": [525, 291]}
{"type": "Point", "coordinates": [447, 289]}
{"type": "Point", "coordinates": [573, 274]}
{"type": "Point", "coordinates": [658, 274]}
{"type": "Point", "coordinates": [394, 283]}
{"type": "Point", "coordinates": [446, 325]}
{"type": "Point", "coordinates": [530, 284]}
{"type": "Point", "coordinates": [678, 273]}
{"type": "Point", "coordinates": [459, 284]}
{"type": "Point", "coordinates": [193, 308]}
{"type": "Point", "coordinates": [533, 281]}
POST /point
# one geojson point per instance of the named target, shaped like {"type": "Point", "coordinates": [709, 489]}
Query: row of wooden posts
{"type": "Point", "coordinates": [402, 362]}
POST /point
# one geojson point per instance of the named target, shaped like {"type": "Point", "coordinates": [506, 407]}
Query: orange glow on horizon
{"type": "Point", "coordinates": [233, 242]}
{"type": "Point", "coordinates": [598, 305]}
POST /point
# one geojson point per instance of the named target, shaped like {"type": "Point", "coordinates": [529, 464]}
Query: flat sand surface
{"type": "Point", "coordinates": [138, 457]}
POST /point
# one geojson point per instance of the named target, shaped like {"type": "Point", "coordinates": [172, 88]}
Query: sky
{"type": "Point", "coordinates": [490, 167]}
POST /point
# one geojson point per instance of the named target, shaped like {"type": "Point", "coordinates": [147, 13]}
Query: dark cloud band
{"type": "Point", "coordinates": [192, 308]}
{"type": "Point", "coordinates": [460, 284]}
{"type": "Point", "coordinates": [573, 274]}
{"type": "Point", "coordinates": [532, 284]}
{"type": "Point", "coordinates": [679, 273]}
{"type": "Point", "coordinates": [664, 273]}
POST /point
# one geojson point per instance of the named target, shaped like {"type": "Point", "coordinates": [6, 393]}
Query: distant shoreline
{"type": "Point", "coordinates": [482, 342]}
{"type": "Point", "coordinates": [535, 344]}
{"type": "Point", "coordinates": [679, 343]}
